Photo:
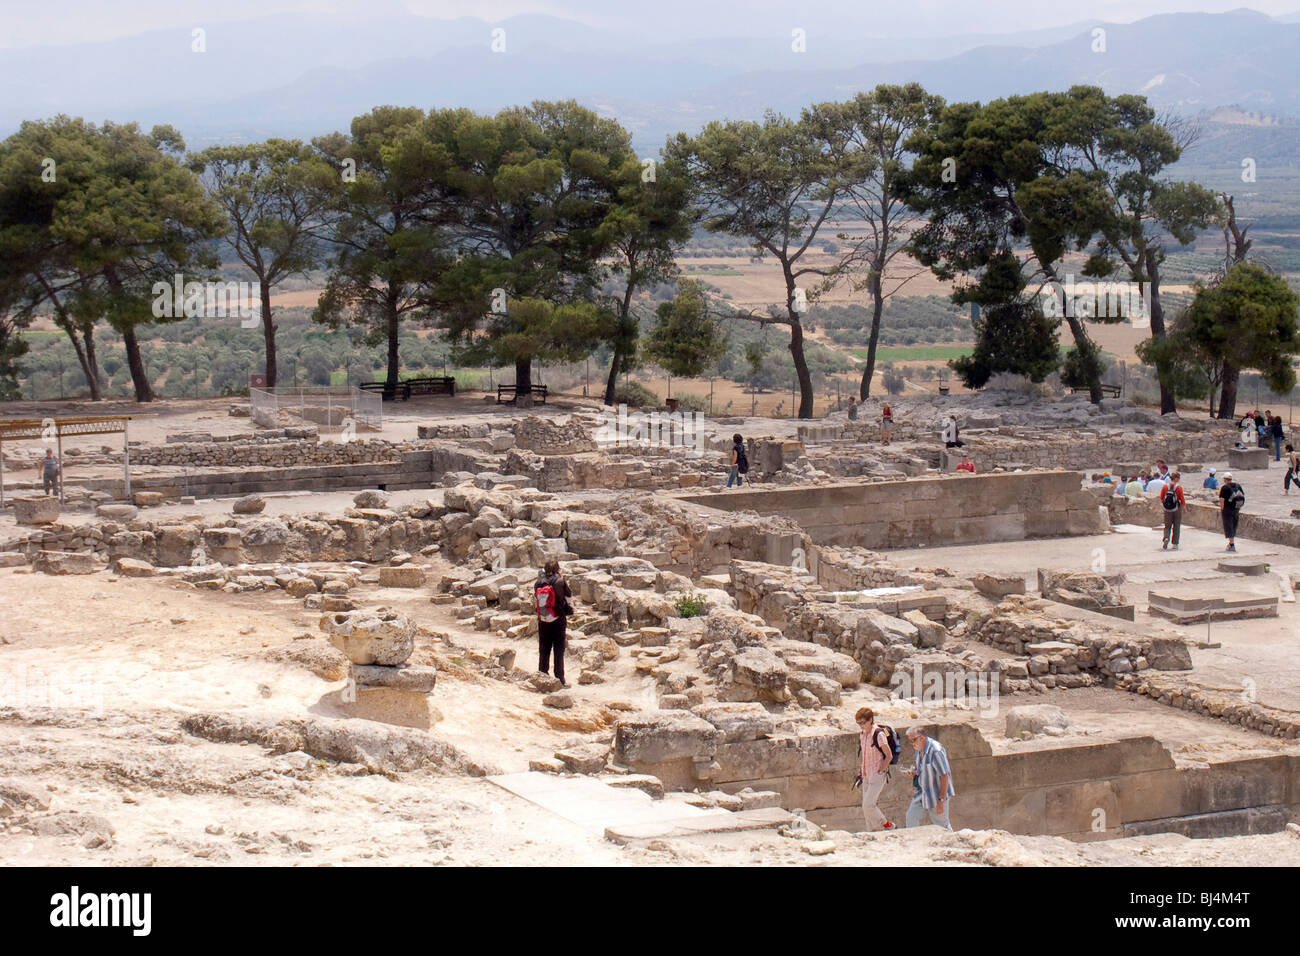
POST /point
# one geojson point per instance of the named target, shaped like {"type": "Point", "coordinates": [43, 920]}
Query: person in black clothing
{"type": "Point", "coordinates": [1231, 509]}
{"type": "Point", "coordinates": [1278, 433]}
{"type": "Point", "coordinates": [739, 462]}
{"type": "Point", "coordinates": [550, 633]}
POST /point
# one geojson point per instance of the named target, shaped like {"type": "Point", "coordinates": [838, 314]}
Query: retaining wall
{"type": "Point", "coordinates": [928, 511]}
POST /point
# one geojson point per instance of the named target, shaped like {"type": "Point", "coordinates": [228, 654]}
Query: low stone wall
{"type": "Point", "coordinates": [1069, 653]}
{"type": "Point", "coordinates": [929, 511]}
{"type": "Point", "coordinates": [272, 453]}
{"type": "Point", "coordinates": [1083, 448]}
{"type": "Point", "coordinates": [840, 569]}
{"type": "Point", "coordinates": [1055, 790]}
{"type": "Point", "coordinates": [58, 537]}
{"type": "Point", "coordinates": [588, 470]}
{"type": "Point", "coordinates": [1283, 531]}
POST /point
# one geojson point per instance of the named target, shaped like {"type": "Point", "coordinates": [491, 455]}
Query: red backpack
{"type": "Point", "coordinates": [545, 599]}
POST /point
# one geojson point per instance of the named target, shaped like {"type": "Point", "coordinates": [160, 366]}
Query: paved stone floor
{"type": "Point", "coordinates": [1263, 651]}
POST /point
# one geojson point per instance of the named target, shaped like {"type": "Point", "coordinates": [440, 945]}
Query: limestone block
{"type": "Point", "coordinates": [66, 562]}
{"type": "Point", "coordinates": [651, 737]}
{"type": "Point", "coordinates": [406, 576]}
{"type": "Point", "coordinates": [591, 536]}
{"type": "Point", "coordinates": [131, 568]}
{"type": "Point", "coordinates": [1248, 459]}
{"type": "Point", "coordinates": [371, 637]}
{"type": "Point", "coordinates": [737, 721]}
{"type": "Point", "coordinates": [249, 505]}
{"type": "Point", "coordinates": [1033, 718]}
{"type": "Point", "coordinates": [43, 509]}
{"type": "Point", "coordinates": [824, 689]}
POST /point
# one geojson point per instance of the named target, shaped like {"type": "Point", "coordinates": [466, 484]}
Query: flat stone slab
{"type": "Point", "coordinates": [1051, 647]}
{"type": "Point", "coordinates": [1254, 568]}
{"type": "Point", "coordinates": [1190, 604]}
{"type": "Point", "coordinates": [597, 807]}
{"type": "Point", "coordinates": [767, 818]}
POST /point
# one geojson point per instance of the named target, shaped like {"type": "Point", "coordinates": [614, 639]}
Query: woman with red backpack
{"type": "Point", "coordinates": [551, 598]}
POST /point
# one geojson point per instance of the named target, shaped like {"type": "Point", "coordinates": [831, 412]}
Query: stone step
{"type": "Point", "coordinates": [768, 818]}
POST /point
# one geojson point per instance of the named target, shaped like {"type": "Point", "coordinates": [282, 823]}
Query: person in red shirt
{"type": "Point", "coordinates": [966, 464]}
{"type": "Point", "coordinates": [1173, 494]}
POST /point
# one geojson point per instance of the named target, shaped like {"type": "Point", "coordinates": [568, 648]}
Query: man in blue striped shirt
{"type": "Point", "coordinates": [931, 781]}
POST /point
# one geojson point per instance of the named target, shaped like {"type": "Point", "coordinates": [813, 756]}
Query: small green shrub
{"type": "Point", "coordinates": [635, 395]}
{"type": "Point", "coordinates": [690, 605]}
{"type": "Point", "coordinates": [692, 403]}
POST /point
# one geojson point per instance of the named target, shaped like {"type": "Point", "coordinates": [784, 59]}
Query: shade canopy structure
{"type": "Point", "coordinates": [53, 430]}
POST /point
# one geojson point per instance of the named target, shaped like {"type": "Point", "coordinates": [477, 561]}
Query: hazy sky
{"type": "Point", "coordinates": [56, 22]}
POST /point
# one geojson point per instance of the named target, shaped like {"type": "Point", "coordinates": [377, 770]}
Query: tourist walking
{"type": "Point", "coordinates": [1278, 434]}
{"type": "Point", "coordinates": [1232, 498]}
{"type": "Point", "coordinates": [874, 769]}
{"type": "Point", "coordinates": [1173, 501]}
{"type": "Point", "coordinates": [886, 423]}
{"type": "Point", "coordinates": [1292, 470]}
{"type": "Point", "coordinates": [551, 597]}
{"type": "Point", "coordinates": [739, 462]}
{"type": "Point", "coordinates": [49, 472]}
{"type": "Point", "coordinates": [931, 781]}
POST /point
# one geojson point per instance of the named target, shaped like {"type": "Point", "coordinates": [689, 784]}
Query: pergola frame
{"type": "Point", "coordinates": [43, 429]}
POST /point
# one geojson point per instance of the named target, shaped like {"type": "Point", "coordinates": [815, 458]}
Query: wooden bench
{"type": "Point", "coordinates": [1111, 390]}
{"type": "Point", "coordinates": [539, 394]}
{"type": "Point", "coordinates": [428, 385]}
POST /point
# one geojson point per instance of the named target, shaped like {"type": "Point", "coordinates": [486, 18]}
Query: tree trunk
{"type": "Point", "coordinates": [139, 376]}
{"type": "Point", "coordinates": [64, 321]}
{"type": "Point", "coordinates": [86, 368]}
{"type": "Point", "coordinates": [1081, 340]}
{"type": "Point", "coordinates": [88, 336]}
{"type": "Point", "coordinates": [612, 384]}
{"type": "Point", "coordinates": [877, 308]}
{"type": "Point", "coordinates": [268, 334]}
{"type": "Point", "coordinates": [1228, 397]}
{"type": "Point", "coordinates": [524, 383]}
{"type": "Point", "coordinates": [394, 366]}
{"type": "Point", "coordinates": [801, 368]}
{"type": "Point", "coordinates": [1167, 404]}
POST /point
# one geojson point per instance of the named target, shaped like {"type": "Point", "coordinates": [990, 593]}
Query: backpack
{"type": "Point", "coordinates": [742, 460]}
{"type": "Point", "coordinates": [545, 600]}
{"type": "Point", "coordinates": [1238, 497]}
{"type": "Point", "coordinates": [1170, 500]}
{"type": "Point", "coordinates": [891, 738]}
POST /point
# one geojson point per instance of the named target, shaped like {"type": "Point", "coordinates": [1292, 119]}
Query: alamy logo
{"type": "Point", "coordinates": [1095, 300]}
{"type": "Point", "coordinates": [673, 429]}
{"type": "Point", "coordinates": [75, 909]}
{"type": "Point", "coordinates": [196, 300]}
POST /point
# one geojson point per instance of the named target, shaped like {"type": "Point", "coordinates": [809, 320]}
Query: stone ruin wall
{"type": "Point", "coordinates": [929, 511]}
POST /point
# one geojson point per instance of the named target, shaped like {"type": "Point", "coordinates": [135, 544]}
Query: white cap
{"type": "Point", "coordinates": [1227, 476]}
{"type": "Point", "coordinates": [1211, 471]}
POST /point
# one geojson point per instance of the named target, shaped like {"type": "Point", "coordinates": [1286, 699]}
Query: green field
{"type": "Point", "coordinates": [917, 353]}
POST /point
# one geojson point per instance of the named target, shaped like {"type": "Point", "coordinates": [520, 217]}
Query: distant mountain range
{"type": "Point", "coordinates": [303, 75]}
